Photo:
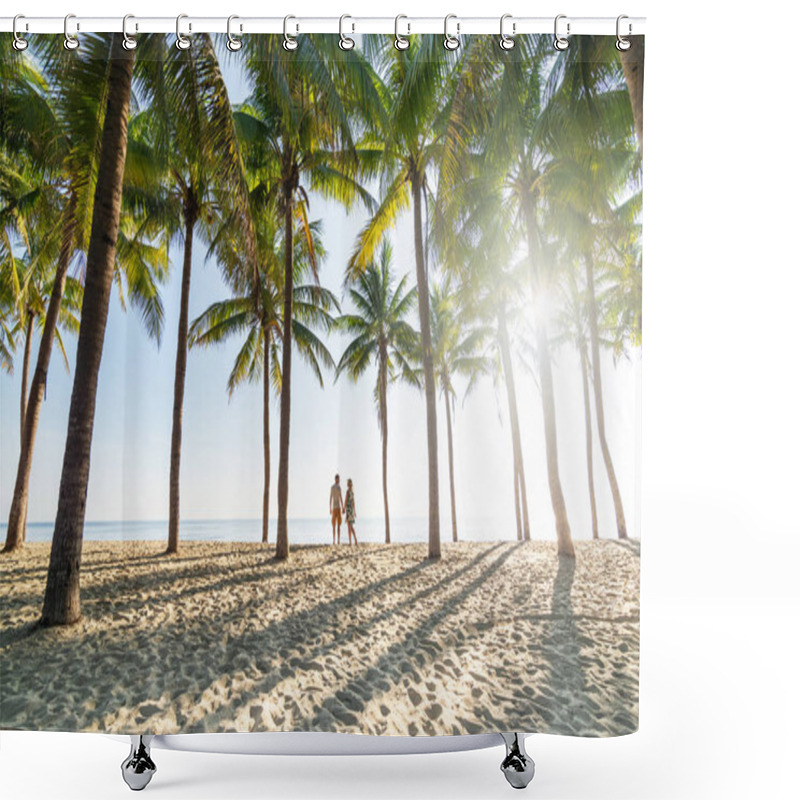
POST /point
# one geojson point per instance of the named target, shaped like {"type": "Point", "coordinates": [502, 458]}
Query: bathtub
{"type": "Point", "coordinates": [139, 767]}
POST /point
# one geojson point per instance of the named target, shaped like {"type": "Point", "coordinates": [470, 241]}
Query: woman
{"type": "Point", "coordinates": [350, 512]}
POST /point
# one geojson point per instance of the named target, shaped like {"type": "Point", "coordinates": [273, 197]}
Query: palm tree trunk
{"type": "Point", "coordinates": [384, 420]}
{"type": "Point", "coordinates": [282, 544]}
{"type": "Point", "coordinates": [189, 219]}
{"type": "Point", "coordinates": [563, 533]}
{"type": "Point", "coordinates": [62, 592]}
{"type": "Point", "coordinates": [18, 513]}
{"type": "Point", "coordinates": [23, 395]}
{"type": "Point", "coordinates": [265, 511]}
{"type": "Point", "coordinates": [584, 356]}
{"type": "Point", "coordinates": [450, 458]}
{"type": "Point", "coordinates": [434, 543]}
{"type": "Point", "coordinates": [26, 361]}
{"type": "Point", "coordinates": [598, 398]}
{"type": "Point", "coordinates": [517, 509]}
{"type": "Point", "coordinates": [633, 68]}
{"type": "Point", "coordinates": [513, 413]}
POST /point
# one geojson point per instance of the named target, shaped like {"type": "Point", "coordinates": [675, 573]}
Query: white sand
{"type": "Point", "coordinates": [495, 636]}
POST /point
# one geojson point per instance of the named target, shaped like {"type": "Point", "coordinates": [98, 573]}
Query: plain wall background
{"type": "Point", "coordinates": [720, 702]}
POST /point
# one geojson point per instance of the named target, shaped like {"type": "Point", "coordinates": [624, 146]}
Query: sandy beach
{"type": "Point", "coordinates": [496, 636]}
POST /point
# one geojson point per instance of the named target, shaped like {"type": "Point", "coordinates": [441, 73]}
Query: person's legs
{"type": "Point", "coordinates": [336, 524]}
{"type": "Point", "coordinates": [355, 539]}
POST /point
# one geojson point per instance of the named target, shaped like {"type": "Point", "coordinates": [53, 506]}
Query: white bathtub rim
{"type": "Point", "coordinates": [320, 743]}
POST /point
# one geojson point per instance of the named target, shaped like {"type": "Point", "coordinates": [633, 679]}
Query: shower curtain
{"type": "Point", "coordinates": [320, 403]}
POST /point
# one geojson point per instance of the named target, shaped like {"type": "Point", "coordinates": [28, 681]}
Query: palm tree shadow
{"type": "Point", "coordinates": [566, 683]}
{"type": "Point", "coordinates": [410, 653]}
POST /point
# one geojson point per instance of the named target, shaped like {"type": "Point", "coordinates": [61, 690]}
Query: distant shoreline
{"type": "Point", "coordinates": [302, 530]}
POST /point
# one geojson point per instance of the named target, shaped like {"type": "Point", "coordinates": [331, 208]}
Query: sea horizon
{"type": "Point", "coordinates": [302, 530]}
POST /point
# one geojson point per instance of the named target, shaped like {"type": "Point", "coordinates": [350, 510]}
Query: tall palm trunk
{"type": "Point", "coordinates": [282, 543]}
{"type": "Point", "coordinates": [189, 219]}
{"type": "Point", "coordinates": [265, 510]}
{"type": "Point", "coordinates": [18, 513]}
{"type": "Point", "coordinates": [384, 420]}
{"type": "Point", "coordinates": [563, 533]}
{"type": "Point", "coordinates": [584, 356]}
{"type": "Point", "coordinates": [598, 398]}
{"type": "Point", "coordinates": [62, 592]}
{"type": "Point", "coordinates": [434, 543]}
{"type": "Point", "coordinates": [23, 392]}
{"type": "Point", "coordinates": [450, 465]}
{"type": "Point", "coordinates": [511, 392]}
{"type": "Point", "coordinates": [517, 509]}
{"type": "Point", "coordinates": [633, 68]}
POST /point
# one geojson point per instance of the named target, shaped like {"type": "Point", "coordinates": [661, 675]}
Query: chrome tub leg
{"type": "Point", "coordinates": [138, 768]}
{"type": "Point", "coordinates": [517, 766]}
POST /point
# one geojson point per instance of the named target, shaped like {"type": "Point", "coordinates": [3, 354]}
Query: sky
{"type": "Point", "coordinates": [332, 430]}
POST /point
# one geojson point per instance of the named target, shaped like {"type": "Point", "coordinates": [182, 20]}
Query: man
{"type": "Point", "coordinates": [336, 506]}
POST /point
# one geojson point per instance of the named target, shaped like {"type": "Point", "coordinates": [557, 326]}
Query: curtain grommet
{"type": "Point", "coordinates": [182, 42]}
{"type": "Point", "coordinates": [234, 43]}
{"type": "Point", "coordinates": [128, 42]}
{"type": "Point", "coordinates": [345, 42]}
{"type": "Point", "coordinates": [70, 41]}
{"type": "Point", "coordinates": [560, 42]}
{"type": "Point", "coordinates": [19, 43]}
{"type": "Point", "coordinates": [400, 42]}
{"type": "Point", "coordinates": [451, 42]}
{"type": "Point", "coordinates": [289, 42]}
{"type": "Point", "coordinates": [507, 41]}
{"type": "Point", "coordinates": [622, 43]}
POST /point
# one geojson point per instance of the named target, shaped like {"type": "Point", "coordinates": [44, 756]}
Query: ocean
{"type": "Point", "coordinates": [301, 531]}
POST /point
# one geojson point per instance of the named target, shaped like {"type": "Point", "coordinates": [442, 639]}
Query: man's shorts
{"type": "Point", "coordinates": [336, 516]}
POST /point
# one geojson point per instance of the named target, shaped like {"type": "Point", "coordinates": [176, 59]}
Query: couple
{"type": "Point", "coordinates": [348, 506]}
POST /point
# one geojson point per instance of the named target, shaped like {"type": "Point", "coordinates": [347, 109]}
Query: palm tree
{"type": "Point", "coordinates": [458, 349]}
{"type": "Point", "coordinates": [57, 121]}
{"type": "Point", "coordinates": [414, 85]}
{"type": "Point", "coordinates": [62, 592]}
{"type": "Point", "coordinates": [594, 164]}
{"type": "Point", "coordinates": [498, 116]}
{"type": "Point", "coordinates": [189, 132]}
{"type": "Point", "coordinates": [479, 240]}
{"type": "Point", "coordinates": [574, 327]}
{"type": "Point", "coordinates": [27, 217]}
{"type": "Point", "coordinates": [379, 332]}
{"type": "Point", "coordinates": [67, 114]}
{"type": "Point", "coordinates": [633, 67]}
{"type": "Point", "coordinates": [257, 316]}
{"type": "Point", "coordinates": [30, 126]}
{"type": "Point", "coordinates": [299, 116]}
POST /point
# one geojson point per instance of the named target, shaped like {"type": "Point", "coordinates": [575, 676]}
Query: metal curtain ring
{"type": "Point", "coordinates": [128, 42]}
{"type": "Point", "coordinates": [561, 42]}
{"type": "Point", "coordinates": [345, 42]}
{"type": "Point", "coordinates": [19, 43]}
{"type": "Point", "coordinates": [289, 42]}
{"type": "Point", "coordinates": [70, 42]}
{"type": "Point", "coordinates": [400, 42]}
{"type": "Point", "coordinates": [506, 41]}
{"type": "Point", "coordinates": [234, 44]}
{"type": "Point", "coordinates": [451, 42]}
{"type": "Point", "coordinates": [182, 42]}
{"type": "Point", "coordinates": [623, 43]}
